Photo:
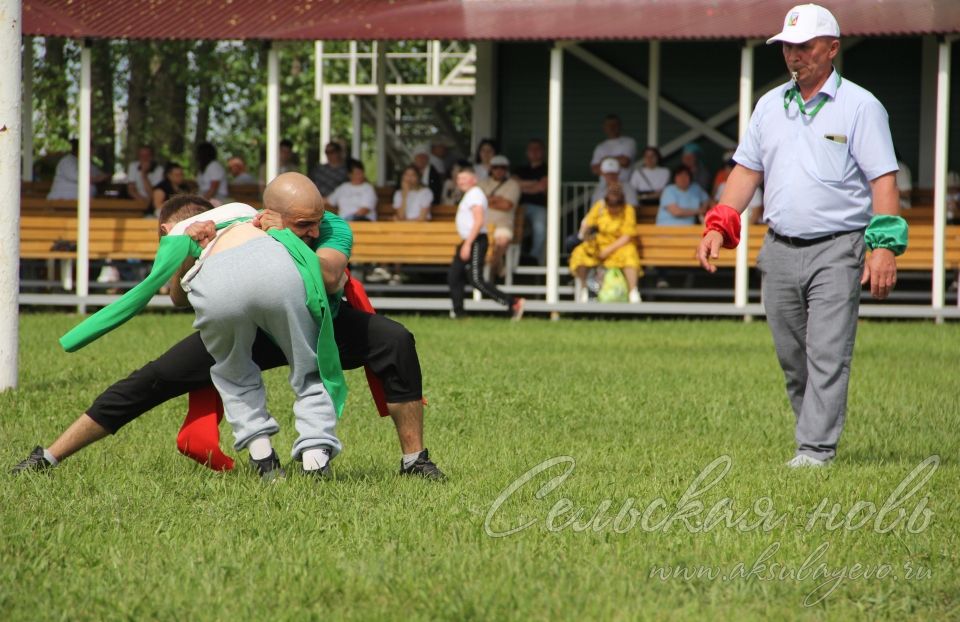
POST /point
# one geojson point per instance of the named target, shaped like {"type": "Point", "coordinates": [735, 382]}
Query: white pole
{"type": "Point", "coordinates": [742, 271]}
{"type": "Point", "coordinates": [653, 101]}
{"type": "Point", "coordinates": [9, 192]}
{"type": "Point", "coordinates": [435, 56]}
{"type": "Point", "coordinates": [554, 163]}
{"type": "Point", "coordinates": [83, 183]}
{"type": "Point", "coordinates": [27, 116]}
{"type": "Point", "coordinates": [324, 122]}
{"type": "Point", "coordinates": [318, 89]}
{"type": "Point", "coordinates": [273, 111]}
{"type": "Point", "coordinates": [381, 113]}
{"type": "Point", "coordinates": [356, 141]}
{"type": "Point", "coordinates": [940, 173]}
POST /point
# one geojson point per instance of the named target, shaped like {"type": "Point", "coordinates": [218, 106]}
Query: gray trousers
{"type": "Point", "coordinates": [812, 297]}
{"type": "Point", "coordinates": [252, 286]}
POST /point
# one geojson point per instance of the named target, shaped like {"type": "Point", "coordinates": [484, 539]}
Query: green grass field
{"type": "Point", "coordinates": [129, 529]}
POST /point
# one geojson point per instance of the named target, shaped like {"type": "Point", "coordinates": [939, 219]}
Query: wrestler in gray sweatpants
{"type": "Point", "coordinates": [811, 295]}
{"type": "Point", "coordinates": [252, 286]}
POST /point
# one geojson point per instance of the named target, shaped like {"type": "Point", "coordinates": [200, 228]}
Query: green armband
{"type": "Point", "coordinates": [888, 232]}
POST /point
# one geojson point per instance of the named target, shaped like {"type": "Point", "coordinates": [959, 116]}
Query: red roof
{"type": "Point", "coordinates": [468, 19]}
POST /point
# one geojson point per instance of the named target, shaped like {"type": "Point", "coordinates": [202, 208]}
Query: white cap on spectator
{"type": "Point", "coordinates": [421, 149]}
{"type": "Point", "coordinates": [807, 21]}
{"type": "Point", "coordinates": [499, 160]}
{"type": "Point", "coordinates": [609, 165]}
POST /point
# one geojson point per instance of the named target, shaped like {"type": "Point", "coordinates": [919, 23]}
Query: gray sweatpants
{"type": "Point", "coordinates": [812, 298]}
{"type": "Point", "coordinates": [252, 286]}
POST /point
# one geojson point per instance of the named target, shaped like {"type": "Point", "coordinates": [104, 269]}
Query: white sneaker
{"type": "Point", "coordinates": [583, 295]}
{"type": "Point", "coordinates": [378, 275]}
{"type": "Point", "coordinates": [108, 274]}
{"type": "Point", "coordinates": [802, 460]}
{"type": "Point", "coordinates": [634, 296]}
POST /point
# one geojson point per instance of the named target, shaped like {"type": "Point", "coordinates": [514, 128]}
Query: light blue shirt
{"type": "Point", "coordinates": [691, 198]}
{"type": "Point", "coordinates": [817, 171]}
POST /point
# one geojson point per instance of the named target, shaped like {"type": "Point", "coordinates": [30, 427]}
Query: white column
{"type": "Point", "coordinates": [485, 96]}
{"type": "Point", "coordinates": [742, 271]}
{"type": "Point", "coordinates": [356, 141]}
{"type": "Point", "coordinates": [381, 113]}
{"type": "Point", "coordinates": [27, 116]}
{"type": "Point", "coordinates": [435, 49]}
{"type": "Point", "coordinates": [324, 123]}
{"type": "Point", "coordinates": [83, 182]}
{"type": "Point", "coordinates": [554, 164]}
{"type": "Point", "coordinates": [653, 100]}
{"type": "Point", "coordinates": [273, 111]}
{"type": "Point", "coordinates": [9, 191]}
{"type": "Point", "coordinates": [940, 173]}
{"type": "Point", "coordinates": [355, 111]}
{"type": "Point", "coordinates": [318, 93]}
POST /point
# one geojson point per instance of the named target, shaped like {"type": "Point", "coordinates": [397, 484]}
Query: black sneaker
{"type": "Point", "coordinates": [422, 467]}
{"type": "Point", "coordinates": [269, 468]}
{"type": "Point", "coordinates": [322, 473]}
{"type": "Point", "coordinates": [34, 462]}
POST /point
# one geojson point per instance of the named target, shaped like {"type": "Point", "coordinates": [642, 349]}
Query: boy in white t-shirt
{"type": "Point", "coordinates": [468, 259]}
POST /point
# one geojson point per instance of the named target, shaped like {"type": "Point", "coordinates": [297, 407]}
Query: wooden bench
{"type": "Point", "coordinates": [676, 247]}
{"type": "Point", "coordinates": [110, 238]}
{"type": "Point", "coordinates": [429, 243]}
{"type": "Point", "coordinates": [66, 208]}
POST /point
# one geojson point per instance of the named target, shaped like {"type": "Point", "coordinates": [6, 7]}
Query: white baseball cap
{"type": "Point", "coordinates": [807, 21]}
{"type": "Point", "coordinates": [499, 160]}
{"type": "Point", "coordinates": [610, 165]}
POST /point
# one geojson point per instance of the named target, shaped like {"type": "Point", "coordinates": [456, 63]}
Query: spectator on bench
{"type": "Point", "coordinates": [485, 152]}
{"type": "Point", "coordinates": [533, 200]}
{"type": "Point", "coordinates": [429, 175]}
{"type": "Point", "coordinates": [649, 178]}
{"type": "Point", "coordinates": [355, 199]}
{"type": "Point", "coordinates": [330, 175]}
{"type": "Point", "coordinates": [412, 200]}
{"type": "Point", "coordinates": [682, 201]}
{"type": "Point", "coordinates": [239, 174]}
{"type": "Point", "coordinates": [143, 175]}
{"type": "Point", "coordinates": [621, 148]}
{"type": "Point", "coordinates": [211, 176]}
{"type": "Point", "coordinates": [692, 158]}
{"type": "Point", "coordinates": [503, 195]}
{"type": "Point", "coordinates": [171, 184]}
{"type": "Point", "coordinates": [607, 233]}
{"type": "Point", "coordinates": [68, 172]}
{"type": "Point", "coordinates": [611, 174]}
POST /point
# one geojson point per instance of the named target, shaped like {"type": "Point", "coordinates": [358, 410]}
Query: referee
{"type": "Point", "coordinates": [821, 146]}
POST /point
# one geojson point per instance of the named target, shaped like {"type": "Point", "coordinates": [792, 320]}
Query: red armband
{"type": "Point", "coordinates": [726, 220]}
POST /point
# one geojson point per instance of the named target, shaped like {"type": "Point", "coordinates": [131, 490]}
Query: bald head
{"type": "Point", "coordinates": [292, 191]}
{"type": "Point", "coordinates": [299, 203]}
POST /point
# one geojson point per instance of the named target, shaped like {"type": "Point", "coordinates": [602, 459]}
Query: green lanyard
{"type": "Point", "coordinates": [794, 93]}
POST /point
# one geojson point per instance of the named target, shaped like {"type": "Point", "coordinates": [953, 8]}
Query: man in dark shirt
{"type": "Point", "coordinates": [533, 200]}
{"type": "Point", "coordinates": [330, 175]}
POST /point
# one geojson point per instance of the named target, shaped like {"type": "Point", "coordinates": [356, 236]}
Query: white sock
{"type": "Point", "coordinates": [316, 458]}
{"type": "Point", "coordinates": [409, 459]}
{"type": "Point", "coordinates": [49, 457]}
{"type": "Point", "coordinates": [260, 447]}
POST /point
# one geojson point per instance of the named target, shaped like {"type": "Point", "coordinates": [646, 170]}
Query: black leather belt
{"type": "Point", "coordinates": [804, 242]}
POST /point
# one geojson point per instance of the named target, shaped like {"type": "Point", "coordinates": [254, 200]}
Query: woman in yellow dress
{"type": "Point", "coordinates": [607, 233]}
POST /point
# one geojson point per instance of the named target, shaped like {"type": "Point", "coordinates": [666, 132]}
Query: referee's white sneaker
{"type": "Point", "coordinates": [634, 296]}
{"type": "Point", "coordinates": [802, 460]}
